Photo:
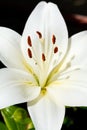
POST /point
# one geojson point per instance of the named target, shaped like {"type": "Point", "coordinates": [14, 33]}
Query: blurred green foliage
{"type": "Point", "coordinates": [17, 118]}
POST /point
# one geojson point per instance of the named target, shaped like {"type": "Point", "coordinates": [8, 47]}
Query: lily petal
{"type": "Point", "coordinates": [44, 27]}
{"type": "Point", "coordinates": [10, 53]}
{"type": "Point", "coordinates": [46, 114]}
{"type": "Point", "coordinates": [77, 51]}
{"type": "Point", "coordinates": [16, 87]}
{"type": "Point", "coordinates": [70, 89]}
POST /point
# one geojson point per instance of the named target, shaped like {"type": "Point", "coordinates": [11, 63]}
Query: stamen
{"type": "Point", "coordinates": [39, 34]}
{"type": "Point", "coordinates": [43, 57]}
{"type": "Point", "coordinates": [55, 49]}
{"type": "Point", "coordinates": [29, 41]}
{"type": "Point", "coordinates": [53, 39]}
{"type": "Point", "coordinates": [29, 53]}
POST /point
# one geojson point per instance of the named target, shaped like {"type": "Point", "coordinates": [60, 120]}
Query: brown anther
{"type": "Point", "coordinates": [53, 39]}
{"type": "Point", "coordinates": [39, 34]}
{"type": "Point", "coordinates": [43, 57]}
{"type": "Point", "coordinates": [55, 49]}
{"type": "Point", "coordinates": [29, 53]}
{"type": "Point", "coordinates": [29, 41]}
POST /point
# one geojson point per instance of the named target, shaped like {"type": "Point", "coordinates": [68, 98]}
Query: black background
{"type": "Point", "coordinates": [14, 13]}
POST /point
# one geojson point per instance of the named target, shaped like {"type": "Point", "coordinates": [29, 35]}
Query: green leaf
{"type": "Point", "coordinates": [2, 126]}
{"type": "Point", "coordinates": [7, 116]}
{"type": "Point", "coordinates": [17, 118]}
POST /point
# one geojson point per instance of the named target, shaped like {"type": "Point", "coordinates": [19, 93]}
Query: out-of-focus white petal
{"type": "Point", "coordinates": [46, 114]}
{"type": "Point", "coordinates": [47, 20]}
{"type": "Point", "coordinates": [77, 51]}
{"type": "Point", "coordinates": [70, 88]}
{"type": "Point", "coordinates": [10, 53]}
{"type": "Point", "coordinates": [16, 87]}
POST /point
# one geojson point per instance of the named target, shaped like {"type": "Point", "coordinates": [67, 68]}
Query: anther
{"type": "Point", "coordinates": [55, 49]}
{"type": "Point", "coordinates": [39, 34]}
{"type": "Point", "coordinates": [29, 41]}
{"type": "Point", "coordinates": [29, 53]}
{"type": "Point", "coordinates": [53, 39]}
{"type": "Point", "coordinates": [43, 57]}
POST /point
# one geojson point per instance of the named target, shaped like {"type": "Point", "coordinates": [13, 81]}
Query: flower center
{"type": "Point", "coordinates": [30, 46]}
{"type": "Point", "coordinates": [46, 54]}
{"type": "Point", "coordinates": [43, 91]}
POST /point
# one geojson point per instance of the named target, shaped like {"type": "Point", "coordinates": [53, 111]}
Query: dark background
{"type": "Point", "coordinates": [14, 13]}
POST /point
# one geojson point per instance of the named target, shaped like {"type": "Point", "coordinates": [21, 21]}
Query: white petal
{"type": "Point", "coordinates": [46, 115]}
{"type": "Point", "coordinates": [76, 55]}
{"type": "Point", "coordinates": [16, 87]}
{"type": "Point", "coordinates": [10, 53]}
{"type": "Point", "coordinates": [70, 89]}
{"type": "Point", "coordinates": [47, 19]}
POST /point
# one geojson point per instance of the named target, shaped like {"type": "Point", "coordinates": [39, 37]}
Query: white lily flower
{"type": "Point", "coordinates": [44, 67]}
